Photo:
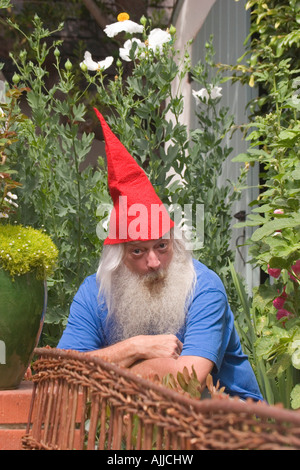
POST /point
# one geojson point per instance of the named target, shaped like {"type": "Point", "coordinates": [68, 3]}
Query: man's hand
{"type": "Point", "coordinates": [140, 348]}
{"type": "Point", "coordinates": [158, 346]}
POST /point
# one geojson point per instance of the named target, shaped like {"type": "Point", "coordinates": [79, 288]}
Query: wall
{"type": "Point", "coordinates": [228, 22]}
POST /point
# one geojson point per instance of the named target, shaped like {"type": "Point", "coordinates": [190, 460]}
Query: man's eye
{"type": "Point", "coordinates": [163, 245]}
{"type": "Point", "coordinates": [137, 251]}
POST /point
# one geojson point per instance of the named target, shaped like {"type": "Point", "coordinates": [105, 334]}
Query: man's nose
{"type": "Point", "coordinates": [153, 261]}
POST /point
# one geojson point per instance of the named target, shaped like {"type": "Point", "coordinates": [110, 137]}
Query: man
{"type": "Point", "coordinates": [151, 307]}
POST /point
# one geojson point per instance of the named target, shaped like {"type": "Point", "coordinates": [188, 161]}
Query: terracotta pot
{"type": "Point", "coordinates": [22, 311]}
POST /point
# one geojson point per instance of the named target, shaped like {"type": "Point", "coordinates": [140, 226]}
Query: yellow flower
{"type": "Point", "coordinates": [123, 17]}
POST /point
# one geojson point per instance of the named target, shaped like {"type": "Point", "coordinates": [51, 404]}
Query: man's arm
{"type": "Point", "coordinates": [152, 367]}
{"type": "Point", "coordinates": [140, 348]}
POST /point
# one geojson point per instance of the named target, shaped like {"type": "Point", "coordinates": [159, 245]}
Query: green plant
{"type": "Point", "coordinates": [274, 138]}
{"type": "Point", "coordinates": [209, 149]}
{"type": "Point", "coordinates": [24, 249]}
{"type": "Point", "coordinates": [10, 116]}
{"type": "Point", "coordinates": [59, 192]}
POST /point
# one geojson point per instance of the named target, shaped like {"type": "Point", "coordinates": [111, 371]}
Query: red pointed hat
{"type": "Point", "coordinates": [138, 212]}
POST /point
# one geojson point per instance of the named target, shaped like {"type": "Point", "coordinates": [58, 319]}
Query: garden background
{"type": "Point", "coordinates": [47, 133]}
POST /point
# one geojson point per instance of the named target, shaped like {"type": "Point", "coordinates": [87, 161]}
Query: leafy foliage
{"type": "Point", "coordinates": [10, 116]}
{"type": "Point", "coordinates": [274, 138]}
{"type": "Point", "coordinates": [186, 382]}
{"type": "Point", "coordinates": [59, 192]}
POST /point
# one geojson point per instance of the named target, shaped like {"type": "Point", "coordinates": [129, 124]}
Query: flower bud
{"type": "Point", "coordinates": [274, 272]}
{"type": "Point", "coordinates": [83, 67]}
{"type": "Point", "coordinates": [23, 54]}
{"type": "Point", "coordinates": [16, 78]}
{"type": "Point", "coordinates": [56, 52]}
{"type": "Point", "coordinates": [279, 302]}
{"type": "Point", "coordinates": [68, 65]}
{"type": "Point", "coordinates": [282, 312]}
{"type": "Point", "coordinates": [119, 63]}
{"type": "Point", "coordinates": [172, 30]}
{"type": "Point", "coordinates": [143, 20]}
{"type": "Point", "coordinates": [296, 270]}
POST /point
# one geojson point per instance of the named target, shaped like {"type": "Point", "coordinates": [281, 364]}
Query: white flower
{"type": "Point", "coordinates": [3, 215]}
{"type": "Point", "coordinates": [216, 92]}
{"type": "Point", "coordinates": [93, 66]}
{"type": "Point", "coordinates": [9, 201]}
{"type": "Point", "coordinates": [2, 114]}
{"type": "Point", "coordinates": [157, 38]}
{"type": "Point", "coordinates": [128, 26]}
{"type": "Point", "coordinates": [12, 196]}
{"type": "Point", "coordinates": [200, 95]}
{"type": "Point", "coordinates": [204, 94]}
{"type": "Point", "coordinates": [125, 50]}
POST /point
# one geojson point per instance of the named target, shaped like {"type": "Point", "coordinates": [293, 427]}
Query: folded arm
{"type": "Point", "coordinates": [156, 355]}
{"type": "Point", "coordinates": [131, 351]}
{"type": "Point", "coordinates": [152, 367]}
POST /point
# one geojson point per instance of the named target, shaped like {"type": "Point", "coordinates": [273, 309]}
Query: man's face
{"type": "Point", "coordinates": [148, 257]}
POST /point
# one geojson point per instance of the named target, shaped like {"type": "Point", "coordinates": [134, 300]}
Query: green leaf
{"type": "Point", "coordinates": [280, 366]}
{"type": "Point", "coordinates": [181, 380]}
{"type": "Point", "coordinates": [296, 359]}
{"type": "Point", "coordinates": [295, 397]}
{"type": "Point", "coordinates": [242, 157]}
{"type": "Point", "coordinates": [296, 173]}
{"type": "Point", "coordinates": [278, 263]}
{"type": "Point", "coordinates": [275, 225]}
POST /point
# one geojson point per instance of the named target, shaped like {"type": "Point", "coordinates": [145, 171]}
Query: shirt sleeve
{"type": "Point", "coordinates": [208, 326]}
{"type": "Point", "coordinates": [83, 330]}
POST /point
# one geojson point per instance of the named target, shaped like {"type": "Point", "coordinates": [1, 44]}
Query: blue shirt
{"type": "Point", "coordinates": [208, 332]}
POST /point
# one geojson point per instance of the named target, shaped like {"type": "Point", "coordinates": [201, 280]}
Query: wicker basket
{"type": "Point", "coordinates": [86, 403]}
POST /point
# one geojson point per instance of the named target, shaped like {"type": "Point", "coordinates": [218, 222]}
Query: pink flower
{"type": "Point", "coordinates": [279, 302]}
{"type": "Point", "coordinates": [283, 313]}
{"type": "Point", "coordinates": [274, 272]}
{"type": "Point", "coordinates": [296, 270]}
{"type": "Point", "coordinates": [279, 211]}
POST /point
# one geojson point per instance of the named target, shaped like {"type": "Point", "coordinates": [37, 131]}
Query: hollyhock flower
{"type": "Point", "coordinates": [283, 313]}
{"type": "Point", "coordinates": [296, 270]}
{"type": "Point", "coordinates": [93, 66]}
{"type": "Point", "coordinates": [274, 272]}
{"type": "Point", "coordinates": [123, 24]}
{"type": "Point", "coordinates": [157, 38]}
{"type": "Point", "coordinates": [125, 50]}
{"type": "Point", "coordinates": [204, 94]}
{"type": "Point", "coordinates": [279, 302]}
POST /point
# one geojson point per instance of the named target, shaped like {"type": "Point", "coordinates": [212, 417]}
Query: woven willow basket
{"type": "Point", "coordinates": [87, 404]}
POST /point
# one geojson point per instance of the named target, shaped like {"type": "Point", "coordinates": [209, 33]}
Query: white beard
{"type": "Point", "coordinates": [154, 303]}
